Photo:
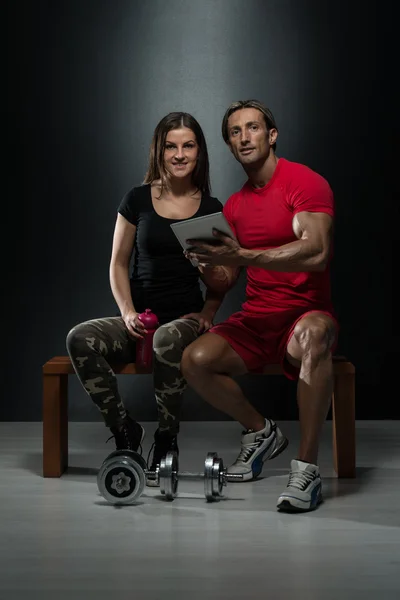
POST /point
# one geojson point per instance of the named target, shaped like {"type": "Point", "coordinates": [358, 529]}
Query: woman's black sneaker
{"type": "Point", "coordinates": [129, 435]}
{"type": "Point", "coordinates": [163, 443]}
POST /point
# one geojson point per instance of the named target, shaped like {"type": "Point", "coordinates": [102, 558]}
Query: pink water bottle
{"type": "Point", "coordinates": [144, 346]}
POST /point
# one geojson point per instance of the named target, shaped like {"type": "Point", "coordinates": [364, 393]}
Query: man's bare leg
{"type": "Point", "coordinates": [208, 365]}
{"type": "Point", "coordinates": [310, 348]}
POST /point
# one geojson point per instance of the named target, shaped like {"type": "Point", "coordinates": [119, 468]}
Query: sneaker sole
{"type": "Point", "coordinates": [287, 506]}
{"type": "Point", "coordinates": [152, 483]}
{"type": "Point", "coordinates": [279, 449]}
{"type": "Point", "coordinates": [249, 475]}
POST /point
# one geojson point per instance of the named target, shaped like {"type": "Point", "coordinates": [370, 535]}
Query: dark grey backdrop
{"type": "Point", "coordinates": [88, 81]}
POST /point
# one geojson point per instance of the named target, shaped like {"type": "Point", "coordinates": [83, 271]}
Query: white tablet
{"type": "Point", "coordinates": [200, 228]}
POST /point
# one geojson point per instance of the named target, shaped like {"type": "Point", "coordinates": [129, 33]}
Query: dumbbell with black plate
{"type": "Point", "coordinates": [121, 478]}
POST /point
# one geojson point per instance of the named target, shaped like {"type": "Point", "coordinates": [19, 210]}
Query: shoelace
{"type": "Point", "coordinates": [246, 450]}
{"type": "Point", "coordinates": [300, 479]}
{"type": "Point", "coordinates": [127, 441]}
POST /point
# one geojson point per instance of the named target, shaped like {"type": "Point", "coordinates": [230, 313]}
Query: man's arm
{"type": "Point", "coordinates": [309, 253]}
{"type": "Point", "coordinates": [219, 280]}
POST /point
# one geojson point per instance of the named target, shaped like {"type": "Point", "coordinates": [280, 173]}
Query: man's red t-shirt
{"type": "Point", "coordinates": [262, 218]}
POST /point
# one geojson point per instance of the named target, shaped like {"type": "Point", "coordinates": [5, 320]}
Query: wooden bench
{"type": "Point", "coordinates": [55, 413]}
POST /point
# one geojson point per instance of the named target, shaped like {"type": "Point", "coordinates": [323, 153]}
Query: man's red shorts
{"type": "Point", "coordinates": [262, 339]}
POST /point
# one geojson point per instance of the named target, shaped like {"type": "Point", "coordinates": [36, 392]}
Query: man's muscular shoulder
{"type": "Point", "coordinates": [297, 174]}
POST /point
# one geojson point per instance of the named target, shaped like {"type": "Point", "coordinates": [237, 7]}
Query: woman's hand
{"type": "Point", "coordinates": [134, 325]}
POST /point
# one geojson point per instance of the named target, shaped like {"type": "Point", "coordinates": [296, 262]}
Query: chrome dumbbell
{"type": "Point", "coordinates": [122, 476]}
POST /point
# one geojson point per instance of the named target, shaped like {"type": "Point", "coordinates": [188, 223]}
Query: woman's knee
{"type": "Point", "coordinates": [177, 334]}
{"type": "Point", "coordinates": [74, 338]}
{"type": "Point", "coordinates": [81, 339]}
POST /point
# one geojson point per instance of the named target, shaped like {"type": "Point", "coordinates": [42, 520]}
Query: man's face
{"type": "Point", "coordinates": [249, 140]}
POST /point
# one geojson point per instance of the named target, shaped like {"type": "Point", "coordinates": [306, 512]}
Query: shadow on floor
{"type": "Point", "coordinates": [359, 500]}
{"type": "Point", "coordinates": [355, 500]}
{"type": "Point", "coordinates": [335, 488]}
{"type": "Point", "coordinates": [33, 464]}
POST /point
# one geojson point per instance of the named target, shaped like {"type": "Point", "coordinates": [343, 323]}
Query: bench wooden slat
{"type": "Point", "coordinates": [61, 365]}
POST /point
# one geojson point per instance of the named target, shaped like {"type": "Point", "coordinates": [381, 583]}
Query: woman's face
{"type": "Point", "coordinates": [180, 152]}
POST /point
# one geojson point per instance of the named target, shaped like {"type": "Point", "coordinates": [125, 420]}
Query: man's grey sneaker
{"type": "Point", "coordinates": [304, 489]}
{"type": "Point", "coordinates": [258, 446]}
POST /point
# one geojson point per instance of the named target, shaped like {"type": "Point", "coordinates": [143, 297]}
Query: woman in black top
{"type": "Point", "coordinates": [175, 187]}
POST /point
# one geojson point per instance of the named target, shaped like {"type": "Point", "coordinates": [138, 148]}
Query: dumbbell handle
{"type": "Point", "coordinates": [196, 476]}
{"type": "Point", "coordinates": [189, 475]}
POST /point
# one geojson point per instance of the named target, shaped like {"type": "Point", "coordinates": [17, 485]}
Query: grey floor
{"type": "Point", "coordinates": [59, 539]}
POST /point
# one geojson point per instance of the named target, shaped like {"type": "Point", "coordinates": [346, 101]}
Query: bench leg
{"type": "Point", "coordinates": [344, 425]}
{"type": "Point", "coordinates": [55, 425]}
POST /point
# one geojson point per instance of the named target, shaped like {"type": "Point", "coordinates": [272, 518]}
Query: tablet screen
{"type": "Point", "coordinates": [200, 228]}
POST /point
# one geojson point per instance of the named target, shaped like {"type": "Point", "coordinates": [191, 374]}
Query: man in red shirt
{"type": "Point", "coordinates": [282, 219]}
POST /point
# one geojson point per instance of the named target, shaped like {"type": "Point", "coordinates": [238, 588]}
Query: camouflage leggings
{"type": "Point", "coordinates": [96, 344]}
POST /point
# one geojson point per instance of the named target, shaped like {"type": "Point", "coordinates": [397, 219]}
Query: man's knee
{"type": "Point", "coordinates": [195, 357]}
{"type": "Point", "coordinates": [314, 337]}
{"type": "Point", "coordinates": [211, 354]}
